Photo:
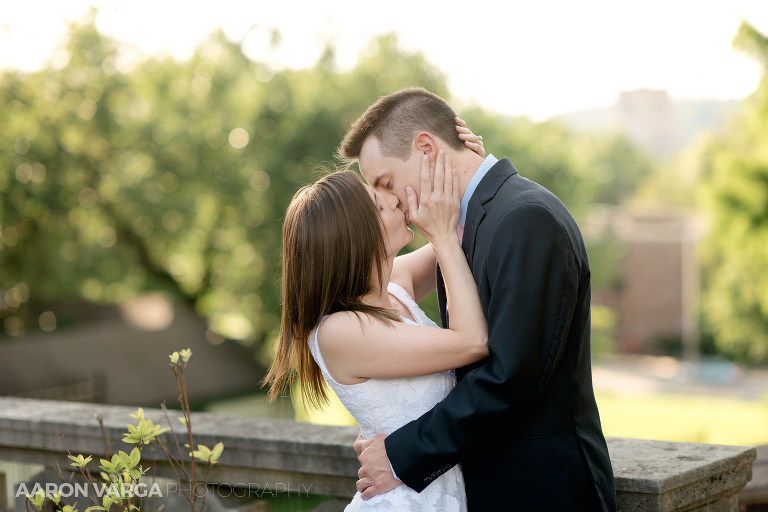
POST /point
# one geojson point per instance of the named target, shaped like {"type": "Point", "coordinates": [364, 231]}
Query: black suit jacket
{"type": "Point", "coordinates": [523, 423]}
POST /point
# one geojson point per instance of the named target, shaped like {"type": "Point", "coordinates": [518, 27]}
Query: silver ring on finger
{"type": "Point", "coordinates": [479, 139]}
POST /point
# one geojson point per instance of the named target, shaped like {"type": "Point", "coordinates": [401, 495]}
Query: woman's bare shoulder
{"type": "Point", "coordinates": [341, 326]}
{"type": "Point", "coordinates": [348, 326]}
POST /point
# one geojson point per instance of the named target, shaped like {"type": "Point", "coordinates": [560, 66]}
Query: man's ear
{"type": "Point", "coordinates": [425, 143]}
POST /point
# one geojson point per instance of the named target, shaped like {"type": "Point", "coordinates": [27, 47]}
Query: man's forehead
{"type": "Point", "coordinates": [369, 172]}
{"type": "Point", "coordinates": [373, 172]}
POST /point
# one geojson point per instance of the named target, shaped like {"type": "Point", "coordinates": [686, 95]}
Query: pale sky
{"type": "Point", "coordinates": [534, 57]}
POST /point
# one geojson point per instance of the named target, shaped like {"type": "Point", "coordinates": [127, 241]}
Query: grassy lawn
{"type": "Point", "coordinates": [687, 418]}
{"type": "Point", "coordinates": [668, 417]}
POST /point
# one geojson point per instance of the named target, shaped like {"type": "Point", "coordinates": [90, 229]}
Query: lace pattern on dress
{"type": "Point", "coordinates": [381, 406]}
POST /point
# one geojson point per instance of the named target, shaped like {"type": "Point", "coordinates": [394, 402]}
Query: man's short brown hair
{"type": "Point", "coordinates": [395, 118]}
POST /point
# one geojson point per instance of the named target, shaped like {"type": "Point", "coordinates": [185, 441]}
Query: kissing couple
{"type": "Point", "coordinates": [495, 411]}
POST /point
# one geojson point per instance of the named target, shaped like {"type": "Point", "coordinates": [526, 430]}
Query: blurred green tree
{"type": "Point", "coordinates": [167, 175]}
{"type": "Point", "coordinates": [734, 194]}
{"type": "Point", "coordinates": [127, 174]}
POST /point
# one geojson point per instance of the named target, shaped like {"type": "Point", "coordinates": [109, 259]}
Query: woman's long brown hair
{"type": "Point", "coordinates": [332, 242]}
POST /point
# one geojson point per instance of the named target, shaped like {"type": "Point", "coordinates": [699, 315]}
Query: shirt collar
{"type": "Point", "coordinates": [481, 171]}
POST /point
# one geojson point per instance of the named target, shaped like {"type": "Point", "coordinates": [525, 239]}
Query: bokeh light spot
{"type": "Point", "coordinates": [107, 237]}
{"type": "Point", "coordinates": [238, 138]}
{"type": "Point", "coordinates": [86, 110]}
{"type": "Point", "coordinates": [47, 321]}
{"type": "Point", "coordinates": [201, 86]}
{"type": "Point", "coordinates": [259, 181]}
{"type": "Point", "coordinates": [150, 312]}
{"type": "Point", "coordinates": [22, 144]}
{"type": "Point", "coordinates": [10, 236]}
{"type": "Point", "coordinates": [278, 102]}
{"type": "Point", "coordinates": [87, 197]}
{"type": "Point", "coordinates": [37, 174]}
{"type": "Point", "coordinates": [13, 326]}
{"type": "Point", "coordinates": [23, 173]}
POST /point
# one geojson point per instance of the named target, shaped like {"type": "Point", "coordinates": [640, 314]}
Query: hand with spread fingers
{"type": "Point", "coordinates": [437, 213]}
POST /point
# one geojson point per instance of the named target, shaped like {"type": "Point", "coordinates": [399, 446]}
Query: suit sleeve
{"type": "Point", "coordinates": [533, 280]}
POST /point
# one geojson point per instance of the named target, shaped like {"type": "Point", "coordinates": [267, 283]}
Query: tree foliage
{"type": "Point", "coordinates": [735, 196]}
{"type": "Point", "coordinates": [124, 177]}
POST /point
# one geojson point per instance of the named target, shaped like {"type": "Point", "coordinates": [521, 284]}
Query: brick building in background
{"type": "Point", "coordinates": [656, 287]}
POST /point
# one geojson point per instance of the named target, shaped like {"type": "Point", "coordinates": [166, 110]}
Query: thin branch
{"type": "Point", "coordinates": [173, 433]}
{"type": "Point", "coordinates": [104, 436]}
{"type": "Point", "coordinates": [207, 472]}
{"type": "Point", "coordinates": [169, 456]}
{"type": "Point", "coordinates": [188, 415]}
{"type": "Point", "coordinates": [86, 474]}
{"type": "Point", "coordinates": [180, 461]}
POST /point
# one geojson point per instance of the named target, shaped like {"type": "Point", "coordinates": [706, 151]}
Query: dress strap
{"type": "Point", "coordinates": [403, 296]}
{"type": "Point", "coordinates": [418, 315]}
{"type": "Point", "coordinates": [314, 347]}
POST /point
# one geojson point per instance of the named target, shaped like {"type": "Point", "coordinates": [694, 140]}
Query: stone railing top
{"type": "Point", "coordinates": [29, 429]}
{"type": "Point", "coordinates": [263, 443]}
{"type": "Point", "coordinates": [655, 467]}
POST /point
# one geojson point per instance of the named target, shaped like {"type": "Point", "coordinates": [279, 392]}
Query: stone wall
{"type": "Point", "coordinates": [650, 475]}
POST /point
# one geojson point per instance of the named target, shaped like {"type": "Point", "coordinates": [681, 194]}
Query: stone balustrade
{"type": "Point", "coordinates": [289, 456]}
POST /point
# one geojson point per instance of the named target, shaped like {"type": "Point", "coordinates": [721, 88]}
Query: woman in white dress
{"type": "Point", "coordinates": [350, 316]}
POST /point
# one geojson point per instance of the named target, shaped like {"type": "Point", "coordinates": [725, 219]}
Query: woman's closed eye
{"type": "Point", "coordinates": [378, 203]}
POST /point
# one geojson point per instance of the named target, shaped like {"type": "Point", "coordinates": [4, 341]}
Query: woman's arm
{"type": "Point", "coordinates": [356, 347]}
{"type": "Point", "coordinates": [415, 271]}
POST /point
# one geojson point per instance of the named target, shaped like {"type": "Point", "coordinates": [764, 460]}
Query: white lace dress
{"type": "Point", "coordinates": [381, 406]}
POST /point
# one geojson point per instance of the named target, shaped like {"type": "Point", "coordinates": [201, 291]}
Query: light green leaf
{"type": "Point", "coordinates": [135, 457]}
{"type": "Point", "coordinates": [79, 461]}
{"type": "Point", "coordinates": [38, 499]}
{"type": "Point", "coordinates": [125, 459]}
{"type": "Point", "coordinates": [216, 452]}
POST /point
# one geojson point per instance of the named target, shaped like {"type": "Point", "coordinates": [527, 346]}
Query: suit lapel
{"type": "Point", "coordinates": [485, 191]}
{"type": "Point", "coordinates": [441, 297]}
{"type": "Point", "coordinates": [475, 214]}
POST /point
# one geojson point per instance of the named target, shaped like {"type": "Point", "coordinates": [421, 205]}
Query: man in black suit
{"type": "Point", "coordinates": [523, 423]}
